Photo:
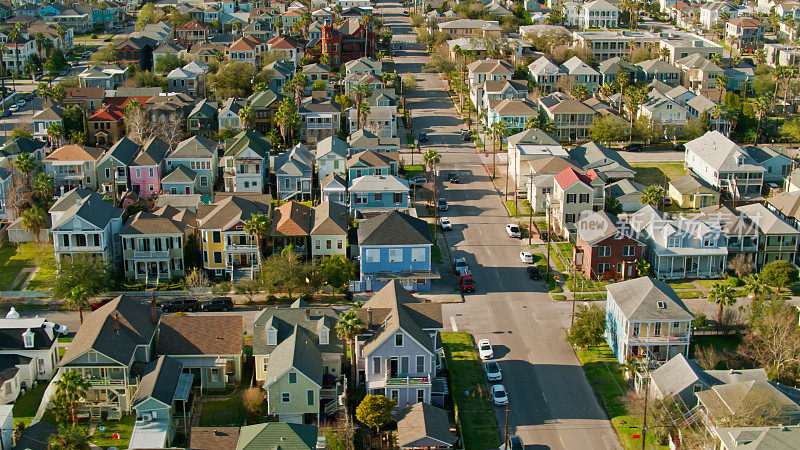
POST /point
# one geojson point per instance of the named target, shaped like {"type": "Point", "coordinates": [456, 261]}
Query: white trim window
{"type": "Point", "coordinates": [604, 251]}
{"type": "Point", "coordinates": [395, 255]}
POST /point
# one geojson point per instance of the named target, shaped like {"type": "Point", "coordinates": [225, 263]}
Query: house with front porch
{"type": "Point", "coordinates": [398, 350]}
{"type": "Point", "coordinates": [302, 340]}
{"type": "Point", "coordinates": [227, 249]}
{"type": "Point", "coordinates": [681, 248]}
{"type": "Point", "coordinates": [210, 347]}
{"type": "Point", "coordinates": [378, 192]}
{"type": "Point", "coordinates": [112, 168]}
{"type": "Point", "coordinates": [148, 168]}
{"type": "Point", "coordinates": [371, 162]}
{"type": "Point", "coordinates": [514, 112]}
{"type": "Point", "coordinates": [329, 233]}
{"type": "Point", "coordinates": [691, 192]}
{"type": "Point", "coordinates": [545, 74]}
{"type": "Point", "coordinates": [394, 246]}
{"type": "Point", "coordinates": [245, 162]}
{"type": "Point", "coordinates": [152, 248]}
{"type": "Point", "coordinates": [646, 319]}
{"type": "Point", "coordinates": [109, 350]}
{"type": "Point", "coordinates": [203, 120]}
{"type": "Point", "coordinates": [777, 240]}
{"type": "Point", "coordinates": [740, 231]}
{"type": "Point", "coordinates": [605, 248]}
{"type": "Point", "coordinates": [575, 195]}
{"type": "Point", "coordinates": [582, 73]}
{"type": "Point", "coordinates": [331, 156]}
{"type": "Point", "coordinates": [199, 155]}
{"type": "Point", "coordinates": [85, 224]}
{"type": "Point", "coordinates": [724, 165]}
{"type": "Point", "coordinates": [294, 170]}
{"type": "Point", "coordinates": [291, 225]}
{"type": "Point", "coordinates": [42, 121]}
{"type": "Point", "coordinates": [160, 402]}
{"type": "Point", "coordinates": [573, 119]}
{"type": "Point", "coordinates": [334, 189]}
{"type": "Point", "coordinates": [73, 166]}
{"type": "Point", "coordinates": [35, 339]}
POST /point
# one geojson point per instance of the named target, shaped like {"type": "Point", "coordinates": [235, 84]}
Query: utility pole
{"type": "Point", "coordinates": [644, 414]}
{"type": "Point", "coordinates": [530, 209]}
{"type": "Point", "coordinates": [572, 269]}
{"type": "Point", "coordinates": [547, 276]}
{"type": "Point", "coordinates": [505, 440]}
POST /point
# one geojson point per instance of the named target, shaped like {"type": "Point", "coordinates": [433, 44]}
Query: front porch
{"type": "Point", "coordinates": [681, 267]}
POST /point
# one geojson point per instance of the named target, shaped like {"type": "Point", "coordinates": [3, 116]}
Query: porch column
{"type": "Point", "coordinates": [710, 263]}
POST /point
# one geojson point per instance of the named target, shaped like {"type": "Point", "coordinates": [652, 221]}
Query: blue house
{"type": "Point", "coordinates": [200, 155]}
{"type": "Point", "coordinates": [395, 246]}
{"type": "Point", "coordinates": [378, 192]}
{"type": "Point", "coordinates": [370, 162]}
{"type": "Point", "coordinates": [182, 180]}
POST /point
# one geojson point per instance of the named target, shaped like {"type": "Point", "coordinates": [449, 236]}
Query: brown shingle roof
{"type": "Point", "coordinates": [229, 209]}
{"type": "Point", "coordinates": [214, 438]}
{"type": "Point", "coordinates": [200, 335]}
{"type": "Point", "coordinates": [292, 219]}
{"type": "Point", "coordinates": [330, 219]}
{"type": "Point", "coordinates": [74, 152]}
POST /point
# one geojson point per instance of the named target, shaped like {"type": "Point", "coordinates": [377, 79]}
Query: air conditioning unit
{"type": "Point", "coordinates": [147, 417]}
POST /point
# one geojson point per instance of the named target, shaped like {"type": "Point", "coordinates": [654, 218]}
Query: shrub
{"type": "Point", "coordinates": [700, 321]}
{"type": "Point", "coordinates": [93, 36]}
{"type": "Point", "coordinates": [253, 399]}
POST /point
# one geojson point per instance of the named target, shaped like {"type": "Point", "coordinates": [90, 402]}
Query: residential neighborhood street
{"type": "Point", "coordinates": [550, 397]}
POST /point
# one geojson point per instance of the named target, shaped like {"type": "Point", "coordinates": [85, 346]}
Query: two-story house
{"type": "Point", "coordinates": [513, 112]}
{"type": "Point", "coordinates": [605, 249]}
{"type": "Point", "coordinates": [612, 67]}
{"type": "Point", "coordinates": [42, 121]}
{"type": "Point", "coordinates": [470, 28]}
{"type": "Point", "coordinates": [112, 168]}
{"type": "Point", "coordinates": [291, 226]}
{"type": "Point", "coordinates": [159, 402]}
{"type": "Point", "coordinates": [777, 240]}
{"type": "Point", "coordinates": [526, 147]}
{"type": "Point", "coordinates": [371, 162]}
{"type": "Point", "coordinates": [397, 352]}
{"type": "Point", "coordinates": [545, 74]}
{"type": "Point", "coordinates": [378, 192]}
{"type": "Point", "coordinates": [319, 118]}
{"type": "Point", "coordinates": [658, 69]}
{"type": "Point", "coordinates": [361, 140]}
{"type": "Point", "coordinates": [245, 164]}
{"type": "Point", "coordinates": [646, 319]}
{"type": "Point", "coordinates": [228, 116]}
{"type": "Point", "coordinates": [711, 13]}
{"type": "Point", "coordinates": [227, 249]}
{"type": "Point", "coordinates": [778, 166]}
{"type": "Point", "coordinates": [740, 231]}
{"type": "Point", "coordinates": [106, 125]}
{"type": "Point", "coordinates": [112, 341]}
{"type": "Point", "coordinates": [73, 166]}
{"type": "Point", "coordinates": [582, 73]}
{"type": "Point", "coordinates": [152, 247]}
{"type": "Point", "coordinates": [331, 156]}
{"type": "Point", "coordinates": [182, 80]}
{"type": "Point", "coordinates": [298, 356]}
{"type": "Point", "coordinates": [744, 32]}
{"type": "Point", "coordinates": [699, 73]}
{"type": "Point", "coordinates": [663, 110]}
{"type": "Point", "coordinates": [294, 169]}
{"type": "Point", "coordinates": [247, 49]}
{"type": "Point", "coordinates": [85, 224]}
{"type": "Point", "coordinates": [598, 14]}
{"type": "Point", "coordinates": [681, 248]}
{"type": "Point", "coordinates": [329, 233]}
{"type": "Point", "coordinates": [394, 246]}
{"type": "Point", "coordinates": [481, 71]}
{"type": "Point", "coordinates": [35, 338]}
{"type": "Point", "coordinates": [203, 119]}
{"type": "Point", "coordinates": [574, 196]}
{"type": "Point", "coordinates": [573, 119]}
{"type": "Point", "coordinates": [724, 165]}
{"type": "Point", "coordinates": [147, 168]}
{"type": "Point", "coordinates": [199, 155]}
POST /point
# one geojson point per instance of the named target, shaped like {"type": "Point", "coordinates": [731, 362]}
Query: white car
{"type": "Point", "coordinates": [499, 395]}
{"type": "Point", "coordinates": [485, 349]}
{"type": "Point", "coordinates": [20, 103]}
{"type": "Point", "coordinates": [492, 370]}
{"type": "Point", "coordinates": [13, 108]}
{"type": "Point", "coordinates": [526, 257]}
{"type": "Point", "coordinates": [444, 222]}
{"type": "Point", "coordinates": [513, 231]}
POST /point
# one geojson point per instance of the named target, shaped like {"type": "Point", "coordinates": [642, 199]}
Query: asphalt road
{"type": "Point", "coordinates": [551, 403]}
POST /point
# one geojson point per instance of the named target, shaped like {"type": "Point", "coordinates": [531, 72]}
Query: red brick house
{"type": "Point", "coordinates": [605, 248]}
{"type": "Point", "coordinates": [191, 33]}
{"type": "Point", "coordinates": [346, 42]}
{"type": "Point", "coordinates": [106, 126]}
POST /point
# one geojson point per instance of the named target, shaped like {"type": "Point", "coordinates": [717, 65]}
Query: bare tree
{"type": "Point", "coordinates": [774, 337]}
{"type": "Point", "coordinates": [756, 410]}
{"type": "Point", "coordinates": [137, 126]}
{"type": "Point", "coordinates": [197, 282]}
{"type": "Point", "coordinates": [170, 132]}
{"type": "Point", "coordinates": [708, 357]}
{"type": "Point", "coordinates": [741, 264]}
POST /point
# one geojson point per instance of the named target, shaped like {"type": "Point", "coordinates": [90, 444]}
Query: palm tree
{"type": "Point", "coordinates": [39, 39]}
{"type": "Point", "coordinates": [287, 118]}
{"type": "Point", "coordinates": [77, 299]}
{"type": "Point", "coordinates": [69, 437]}
{"type": "Point", "coordinates": [791, 72]}
{"type": "Point", "coordinates": [722, 295]}
{"type": "Point", "coordinates": [298, 84]}
{"type": "Point", "coordinates": [54, 132]}
{"type": "Point", "coordinates": [43, 186]}
{"type": "Point", "coordinates": [761, 106]}
{"type": "Point", "coordinates": [499, 131]}
{"type": "Point", "coordinates": [34, 219]}
{"type": "Point", "coordinates": [26, 164]}
{"type": "Point", "coordinates": [363, 113]}
{"type": "Point", "coordinates": [361, 91]}
{"type": "Point", "coordinates": [761, 56]}
{"type": "Point", "coordinates": [532, 122]}
{"type": "Point", "coordinates": [780, 73]}
{"type": "Point", "coordinates": [635, 96]}
{"type": "Point", "coordinates": [430, 159]}
{"type": "Point", "coordinates": [642, 267]}
{"type": "Point", "coordinates": [366, 21]}
{"type": "Point", "coordinates": [72, 386]}
{"type": "Point", "coordinates": [246, 116]}
{"type": "Point", "coordinates": [664, 52]}
{"type": "Point", "coordinates": [347, 328]}
{"type": "Point", "coordinates": [258, 225]}
{"type": "Point", "coordinates": [753, 285]}
{"type": "Point", "coordinates": [581, 92]}
{"type": "Point", "coordinates": [722, 85]}
{"type": "Point", "coordinates": [344, 102]}
{"type": "Point", "coordinates": [607, 90]}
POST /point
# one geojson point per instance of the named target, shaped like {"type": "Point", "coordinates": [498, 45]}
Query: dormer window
{"type": "Point", "coordinates": [324, 336]}
{"type": "Point", "coordinates": [272, 336]}
{"type": "Point", "coordinates": [740, 160]}
{"type": "Point", "coordinates": [709, 240]}
{"type": "Point", "coordinates": [27, 338]}
{"type": "Point", "coordinates": [674, 241]}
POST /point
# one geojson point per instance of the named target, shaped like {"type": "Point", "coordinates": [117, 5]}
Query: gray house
{"type": "Point", "coordinates": [778, 166]}
{"type": "Point", "coordinates": [112, 169]}
{"type": "Point", "coordinates": [198, 154]}
{"type": "Point", "coordinates": [293, 171]}
{"type": "Point", "coordinates": [331, 156]}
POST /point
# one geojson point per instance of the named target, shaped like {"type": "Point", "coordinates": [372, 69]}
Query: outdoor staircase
{"type": "Point", "coordinates": [242, 273]}
{"type": "Point", "coordinates": [95, 414]}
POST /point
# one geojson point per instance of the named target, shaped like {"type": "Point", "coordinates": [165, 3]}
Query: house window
{"type": "Point", "coordinates": [420, 364]}
{"type": "Point", "coordinates": [138, 173]}
{"type": "Point", "coordinates": [417, 254]}
{"type": "Point", "coordinates": [697, 388]}
{"type": "Point", "coordinates": [215, 375]}
{"type": "Point", "coordinates": [571, 198]}
{"type": "Point", "coordinates": [628, 250]}
{"type": "Point", "coordinates": [150, 172]}
{"type": "Point", "coordinates": [272, 336]}
{"type": "Point", "coordinates": [292, 377]}
{"type": "Point", "coordinates": [604, 251]}
{"type": "Point", "coordinates": [603, 268]}
{"type": "Point", "coordinates": [376, 364]}
{"type": "Point", "coordinates": [216, 237]}
{"type": "Point", "coordinates": [328, 244]}
{"type": "Point", "coordinates": [674, 241]}
{"type": "Point", "coordinates": [709, 241]}
{"type": "Point", "coordinates": [395, 255]}
{"type": "Point", "coordinates": [108, 173]}
{"type": "Point", "coordinates": [373, 255]}
{"type": "Point", "coordinates": [217, 257]}
{"type": "Point", "coordinates": [378, 197]}
{"type": "Point", "coordinates": [394, 394]}
{"type": "Point", "coordinates": [584, 198]}
{"type": "Point", "coordinates": [570, 218]}
{"type": "Point", "coordinates": [286, 397]}
{"type": "Point", "coordinates": [657, 329]}
{"type": "Point", "coordinates": [28, 338]}
{"type": "Point", "coordinates": [397, 197]}
{"type": "Point", "coordinates": [310, 397]}
{"type": "Point", "coordinates": [324, 337]}
{"type": "Point", "coordinates": [317, 244]}
{"type": "Point", "coordinates": [635, 329]}
{"type": "Point", "coordinates": [398, 340]}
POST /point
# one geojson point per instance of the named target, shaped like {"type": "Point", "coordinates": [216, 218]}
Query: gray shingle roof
{"type": "Point", "coordinates": [159, 381]}
{"type": "Point", "coordinates": [284, 320]}
{"type": "Point", "coordinates": [298, 351]}
{"type": "Point", "coordinates": [124, 151]}
{"type": "Point", "coordinates": [332, 144]}
{"type": "Point", "coordinates": [766, 220]}
{"type": "Point", "coordinates": [395, 301]}
{"type": "Point", "coordinates": [688, 183]}
{"type": "Point", "coordinates": [152, 153]}
{"type": "Point", "coordinates": [330, 219]}
{"type": "Point", "coordinates": [639, 300]}
{"type": "Point", "coordinates": [277, 436]}
{"type": "Point", "coordinates": [422, 421]}
{"type": "Point", "coordinates": [91, 208]}
{"type": "Point", "coordinates": [720, 153]}
{"type": "Point", "coordinates": [194, 147]}
{"type": "Point", "coordinates": [394, 228]}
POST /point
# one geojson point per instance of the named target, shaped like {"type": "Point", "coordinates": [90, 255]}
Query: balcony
{"type": "Point", "coordinates": [150, 255]}
{"type": "Point", "coordinates": [241, 248]}
{"type": "Point", "coordinates": [407, 381]}
{"type": "Point", "coordinates": [79, 248]}
{"type": "Point", "coordinates": [106, 382]}
{"type": "Point", "coordinates": [657, 340]}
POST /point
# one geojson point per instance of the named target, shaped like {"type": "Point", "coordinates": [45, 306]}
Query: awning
{"type": "Point", "coordinates": [414, 274]}
{"type": "Point", "coordinates": [184, 387]}
{"type": "Point", "coordinates": [195, 362]}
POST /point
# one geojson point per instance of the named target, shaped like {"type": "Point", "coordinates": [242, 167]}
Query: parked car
{"type": "Point", "coordinates": [13, 108]}
{"type": "Point", "coordinates": [465, 281]}
{"type": "Point", "coordinates": [417, 181]}
{"type": "Point", "coordinates": [485, 349]}
{"type": "Point", "coordinates": [633, 147]}
{"type": "Point", "coordinates": [514, 443]}
{"type": "Point", "coordinates": [453, 177]}
{"type": "Point", "coordinates": [444, 222]}
{"type": "Point", "coordinates": [465, 135]}
{"type": "Point", "coordinates": [499, 395]}
{"type": "Point", "coordinates": [521, 193]}
{"type": "Point", "coordinates": [492, 370]}
{"type": "Point", "coordinates": [441, 205]}
{"type": "Point", "coordinates": [179, 304]}
{"type": "Point", "coordinates": [513, 231]}
{"type": "Point", "coordinates": [459, 263]}
{"type": "Point", "coordinates": [423, 137]}
{"type": "Point", "coordinates": [526, 257]}
{"type": "Point", "coordinates": [217, 304]}
{"type": "Point", "coordinates": [679, 147]}
{"type": "Point", "coordinates": [533, 273]}
{"type": "Point", "coordinates": [102, 302]}
{"type": "Point", "coordinates": [21, 103]}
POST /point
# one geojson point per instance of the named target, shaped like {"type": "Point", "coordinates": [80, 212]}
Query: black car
{"type": "Point", "coordinates": [533, 273]}
{"type": "Point", "coordinates": [633, 147]}
{"type": "Point", "coordinates": [679, 147]}
{"type": "Point", "coordinates": [453, 177]}
{"type": "Point", "coordinates": [423, 137]}
{"type": "Point", "coordinates": [180, 304]}
{"type": "Point", "coordinates": [217, 304]}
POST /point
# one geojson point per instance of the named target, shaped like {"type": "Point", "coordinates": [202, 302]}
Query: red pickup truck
{"type": "Point", "coordinates": [465, 281]}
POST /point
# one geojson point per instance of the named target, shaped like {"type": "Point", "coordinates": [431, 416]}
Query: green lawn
{"type": "Point", "coordinates": [414, 170]}
{"type": "Point", "coordinates": [689, 294]}
{"type": "Point", "coordinates": [223, 413]}
{"type": "Point", "coordinates": [681, 285]}
{"type": "Point", "coordinates": [475, 414]}
{"type": "Point", "coordinates": [26, 405]}
{"type": "Point", "coordinates": [14, 258]}
{"type": "Point", "coordinates": [653, 173]}
{"type": "Point", "coordinates": [607, 379]}
{"type": "Point", "coordinates": [436, 252]}
{"type": "Point", "coordinates": [524, 208]}
{"type": "Point", "coordinates": [709, 283]}
{"type": "Point", "coordinates": [122, 427]}
{"type": "Point", "coordinates": [730, 342]}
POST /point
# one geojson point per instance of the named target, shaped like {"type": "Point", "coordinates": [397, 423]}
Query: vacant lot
{"type": "Point", "coordinates": [653, 173]}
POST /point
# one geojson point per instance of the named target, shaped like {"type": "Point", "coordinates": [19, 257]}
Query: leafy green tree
{"type": "Point", "coordinates": [318, 85]}
{"type": "Point", "coordinates": [34, 219]}
{"type": "Point", "coordinates": [791, 128]}
{"type": "Point", "coordinates": [233, 79]}
{"type": "Point", "coordinates": [167, 63]}
{"type": "Point", "coordinates": [375, 411]}
{"type": "Point", "coordinates": [147, 15]}
{"type": "Point", "coordinates": [26, 164]}
{"type": "Point", "coordinates": [69, 437]}
{"type": "Point", "coordinates": [642, 267]}
{"type": "Point", "coordinates": [581, 92]}
{"type": "Point", "coordinates": [86, 274]}
{"type": "Point", "coordinates": [652, 195]}
{"type": "Point", "coordinates": [55, 132]}
{"type": "Point", "coordinates": [348, 327]}
{"type": "Point", "coordinates": [56, 62]}
{"type": "Point", "coordinates": [754, 285]}
{"type": "Point", "coordinates": [336, 271]}
{"type": "Point", "coordinates": [285, 273]}
{"type": "Point", "coordinates": [246, 117]}
{"type": "Point", "coordinates": [149, 79]}
{"type": "Point", "coordinates": [721, 294]}
{"type": "Point", "coordinates": [225, 134]}
{"type": "Point", "coordinates": [761, 106]}
{"type": "Point", "coordinates": [607, 130]}
{"type": "Point", "coordinates": [779, 273]}
{"type": "Point", "coordinates": [43, 187]}
{"type": "Point", "coordinates": [72, 387]}
{"type": "Point", "coordinates": [104, 55]}
{"type": "Point", "coordinates": [288, 119]}
{"type": "Point", "coordinates": [588, 327]}
{"type": "Point", "coordinates": [22, 131]}
{"type": "Point", "coordinates": [613, 206]}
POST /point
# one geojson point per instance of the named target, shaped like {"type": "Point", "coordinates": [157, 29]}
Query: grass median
{"type": "Point", "coordinates": [475, 414]}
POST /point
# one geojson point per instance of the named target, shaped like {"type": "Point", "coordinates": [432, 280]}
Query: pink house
{"type": "Point", "coordinates": [148, 167]}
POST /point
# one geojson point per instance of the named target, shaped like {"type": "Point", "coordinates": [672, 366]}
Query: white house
{"type": "Point", "coordinates": [331, 156]}
{"type": "Point", "coordinates": [598, 14]}
{"type": "Point", "coordinates": [724, 165]}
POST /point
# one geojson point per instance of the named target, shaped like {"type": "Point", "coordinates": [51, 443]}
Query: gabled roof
{"type": "Point", "coordinates": [378, 183]}
{"type": "Point", "coordinates": [92, 208]}
{"type": "Point", "coordinates": [207, 108]}
{"type": "Point", "coordinates": [194, 147]}
{"type": "Point", "coordinates": [645, 298]}
{"type": "Point", "coordinates": [180, 174]}
{"type": "Point", "coordinates": [594, 156]}
{"type": "Point", "coordinates": [152, 153]}
{"type": "Point", "coordinates": [247, 139]}
{"type": "Point", "coordinates": [576, 66]}
{"type": "Point", "coordinates": [532, 136]}
{"type": "Point", "coordinates": [18, 145]}
{"type": "Point", "coordinates": [228, 210]}
{"type": "Point", "coordinates": [246, 43]}
{"type": "Point", "coordinates": [292, 219]}
{"type": "Point", "coordinates": [624, 187]}
{"type": "Point", "coordinates": [51, 113]}
{"type": "Point", "coordinates": [788, 204]}
{"type": "Point", "coordinates": [124, 150]}
{"type": "Point", "coordinates": [724, 400]}
{"type": "Point", "coordinates": [330, 219]}
{"type": "Point", "coordinates": [298, 351]}
{"type": "Point", "coordinates": [201, 335]}
{"type": "Point", "coordinates": [295, 162]}
{"type": "Point", "coordinates": [423, 422]}
{"type": "Point", "coordinates": [562, 103]}
{"type": "Point", "coordinates": [746, 22]}
{"type": "Point", "coordinates": [516, 107]}
{"type": "Point", "coordinates": [600, 226]}
{"type": "Point", "coordinates": [277, 436]}
{"type": "Point", "coordinates": [159, 381]}
{"type": "Point", "coordinates": [569, 176]}
{"type": "Point", "coordinates": [654, 66]}
{"type": "Point", "coordinates": [143, 223]}
{"type": "Point", "coordinates": [720, 153]}
{"type": "Point", "coordinates": [74, 152]}
{"type": "Point", "coordinates": [332, 144]}
{"type": "Point", "coordinates": [492, 66]}
{"type": "Point", "coordinates": [332, 177]}
{"type": "Point", "coordinates": [393, 228]}
{"type": "Point", "coordinates": [284, 320]}
{"type": "Point", "coordinates": [689, 183]}
{"type": "Point", "coordinates": [99, 331]}
{"type": "Point", "coordinates": [768, 222]}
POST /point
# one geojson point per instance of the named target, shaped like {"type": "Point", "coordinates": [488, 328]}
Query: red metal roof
{"type": "Point", "coordinates": [569, 176]}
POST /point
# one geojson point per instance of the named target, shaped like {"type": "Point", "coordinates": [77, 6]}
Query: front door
{"type": "Point", "coordinates": [393, 368]}
{"type": "Point", "coordinates": [188, 190]}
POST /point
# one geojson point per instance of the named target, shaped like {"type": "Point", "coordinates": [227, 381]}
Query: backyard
{"type": "Point", "coordinates": [26, 404]}
{"type": "Point", "coordinates": [104, 433]}
{"type": "Point", "coordinates": [15, 258]}
{"type": "Point", "coordinates": [223, 412]}
{"type": "Point", "coordinates": [474, 412]}
{"type": "Point", "coordinates": [653, 173]}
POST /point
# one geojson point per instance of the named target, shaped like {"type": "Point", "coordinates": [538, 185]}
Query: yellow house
{"type": "Point", "coordinates": [225, 245]}
{"type": "Point", "coordinates": [691, 192]}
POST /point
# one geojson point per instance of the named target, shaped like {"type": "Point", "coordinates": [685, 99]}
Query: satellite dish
{"type": "Point", "coordinates": [12, 314]}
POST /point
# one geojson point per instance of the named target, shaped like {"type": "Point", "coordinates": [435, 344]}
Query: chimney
{"type": "Point", "coordinates": [308, 314]}
{"type": "Point", "coordinates": [78, 200]}
{"type": "Point", "coordinates": [116, 322]}
{"type": "Point", "coordinates": [153, 308]}
{"type": "Point", "coordinates": [369, 316]}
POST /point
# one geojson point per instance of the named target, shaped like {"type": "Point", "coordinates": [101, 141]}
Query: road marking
{"type": "Point", "coordinates": [562, 441]}
{"type": "Point", "coordinates": [453, 323]}
{"type": "Point", "coordinates": [545, 398]}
